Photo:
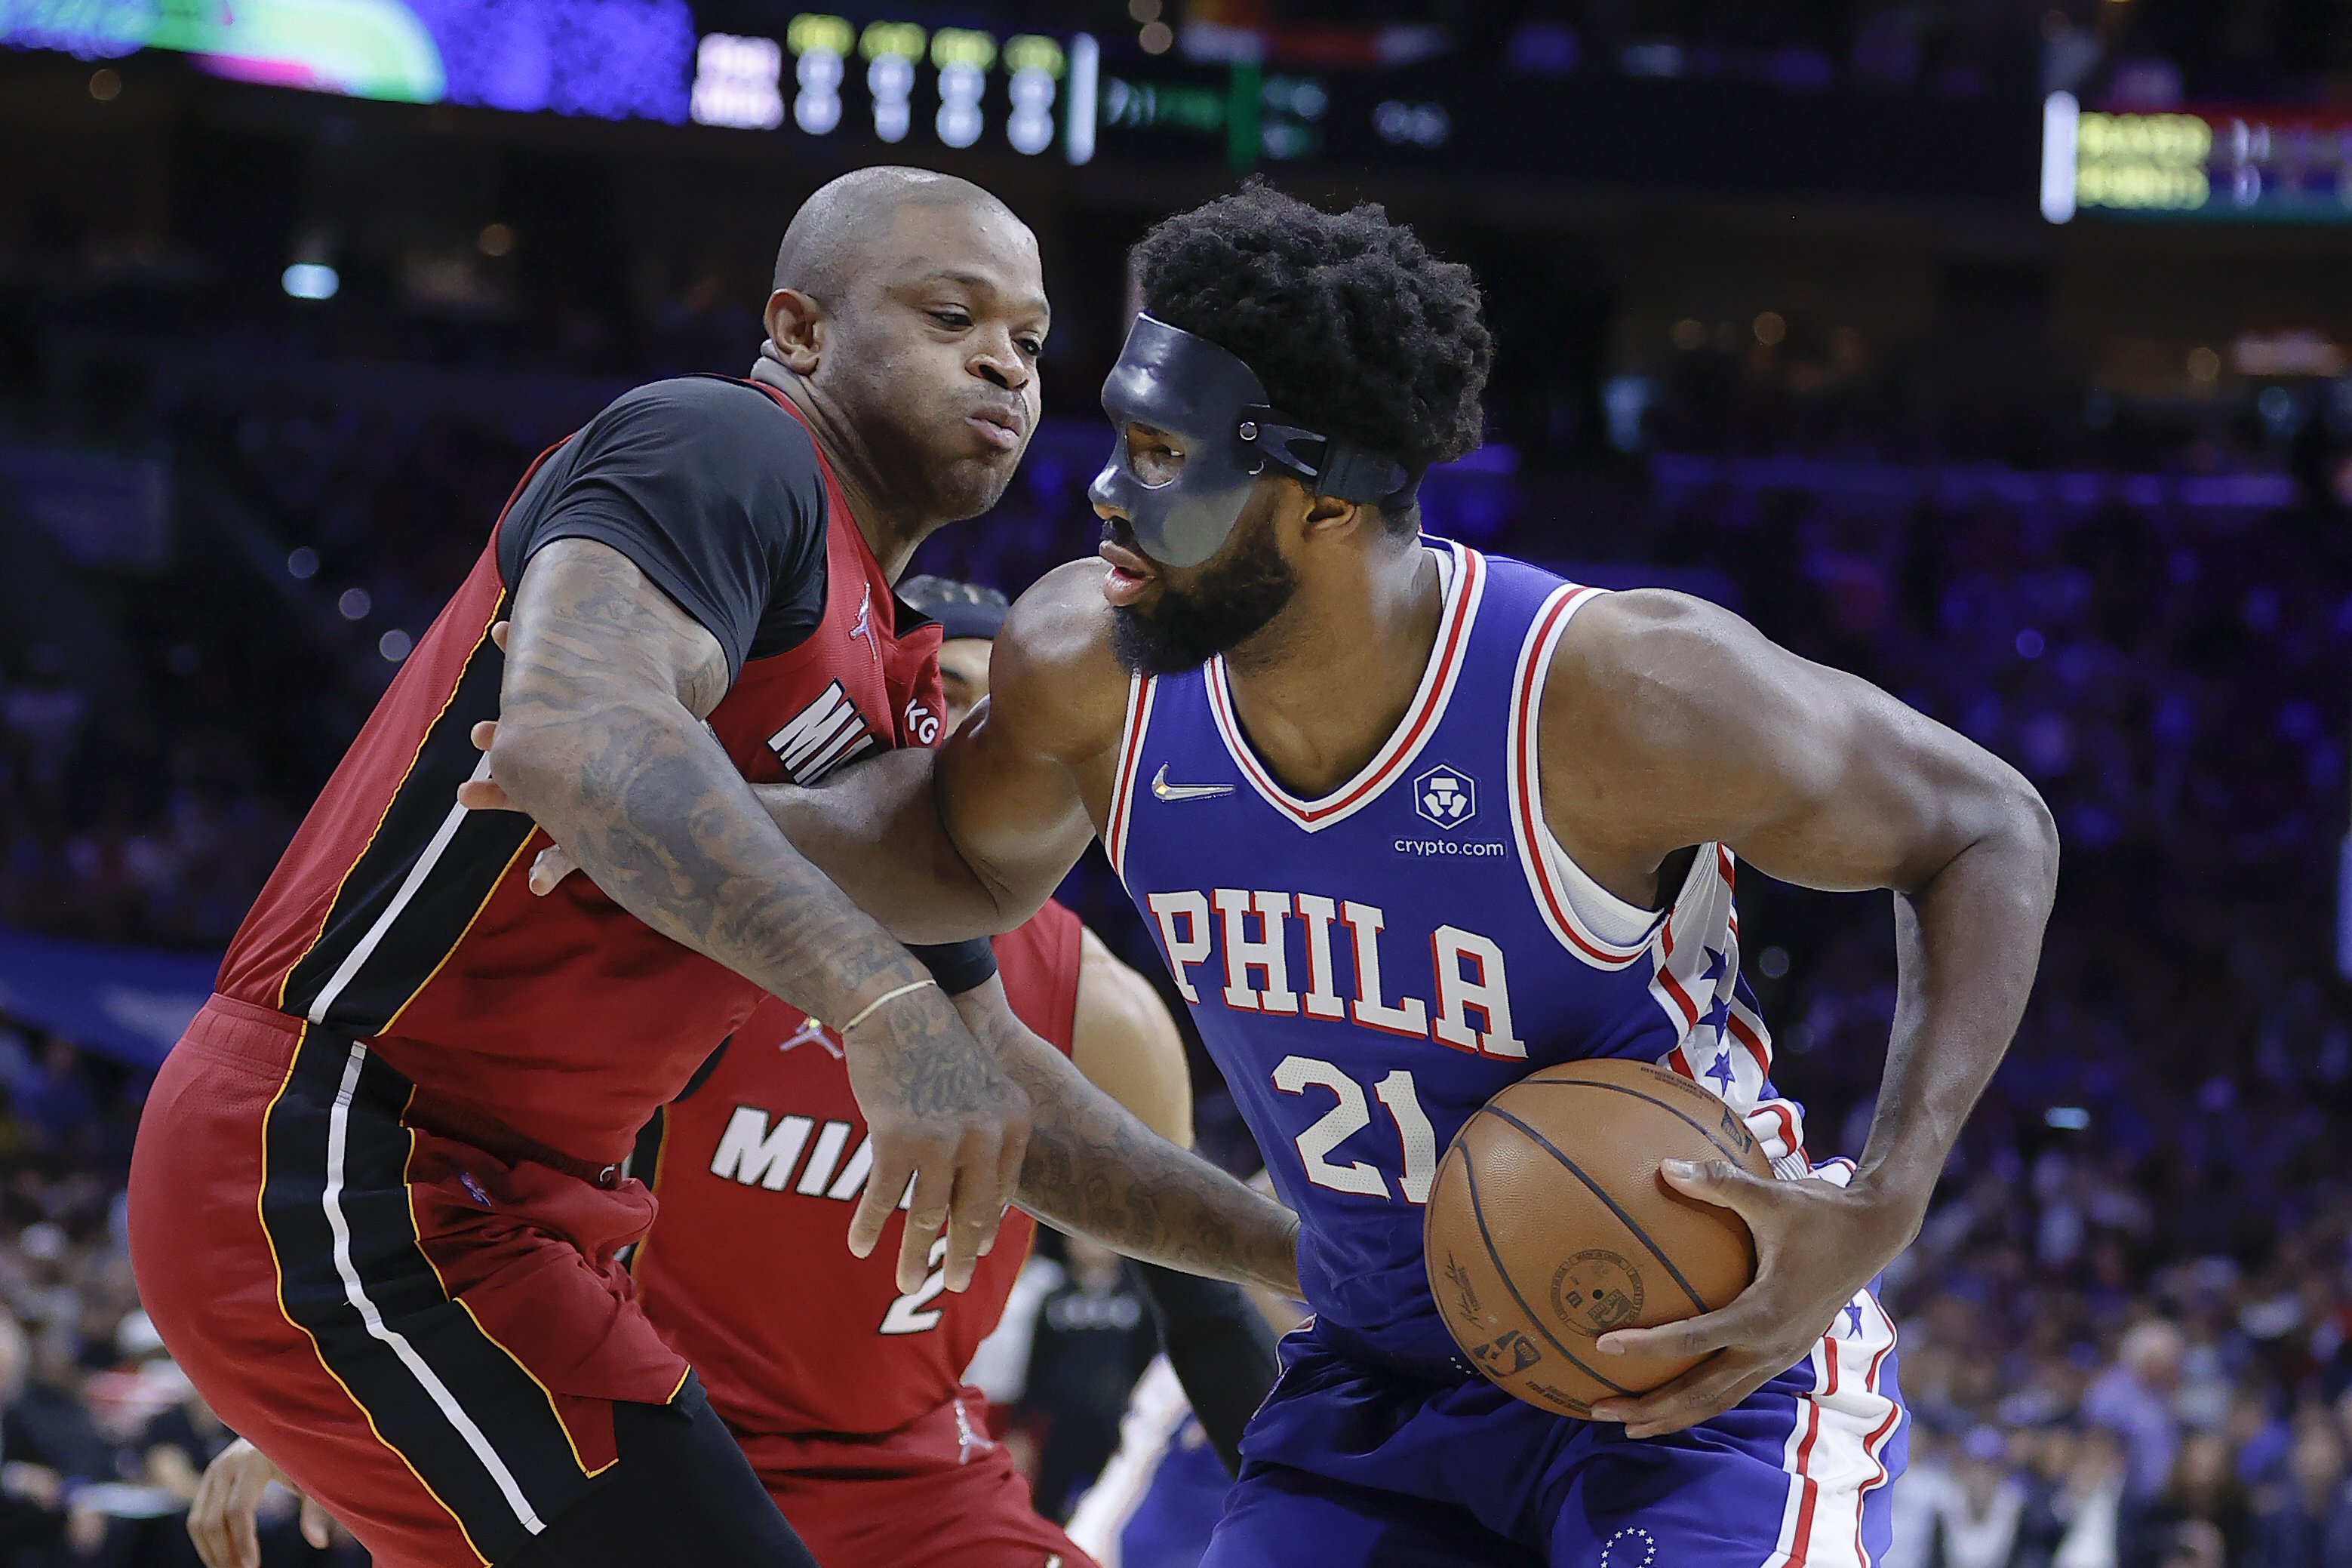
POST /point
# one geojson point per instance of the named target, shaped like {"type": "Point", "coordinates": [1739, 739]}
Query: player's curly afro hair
{"type": "Point", "coordinates": [1347, 318]}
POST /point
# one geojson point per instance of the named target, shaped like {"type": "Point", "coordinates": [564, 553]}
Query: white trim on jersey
{"type": "Point", "coordinates": [1124, 767]}
{"type": "Point", "coordinates": [1459, 609]}
{"type": "Point", "coordinates": [1722, 1044]}
{"type": "Point", "coordinates": [1832, 1455]}
{"type": "Point", "coordinates": [1555, 881]}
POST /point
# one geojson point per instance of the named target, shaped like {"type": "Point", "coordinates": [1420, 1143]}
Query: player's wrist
{"type": "Point", "coordinates": [871, 1009]}
{"type": "Point", "coordinates": [1890, 1203]}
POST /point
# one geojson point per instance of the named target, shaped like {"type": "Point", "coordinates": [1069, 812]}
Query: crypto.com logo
{"type": "Point", "coordinates": [1446, 796]}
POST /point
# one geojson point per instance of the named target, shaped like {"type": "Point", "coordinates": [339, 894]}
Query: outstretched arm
{"type": "Point", "coordinates": [971, 839]}
{"type": "Point", "coordinates": [600, 740]}
{"type": "Point", "coordinates": [979, 833]}
{"type": "Point", "coordinates": [1096, 1169]}
{"type": "Point", "coordinates": [1669, 722]}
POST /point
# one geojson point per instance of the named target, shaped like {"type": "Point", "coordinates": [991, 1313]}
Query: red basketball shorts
{"type": "Point", "coordinates": [935, 1493]}
{"type": "Point", "coordinates": [426, 1337]}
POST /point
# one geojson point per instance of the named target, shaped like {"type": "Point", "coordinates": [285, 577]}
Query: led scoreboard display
{"type": "Point", "coordinates": [2292, 165]}
{"type": "Point", "coordinates": [825, 64]}
{"type": "Point", "coordinates": [1354, 95]}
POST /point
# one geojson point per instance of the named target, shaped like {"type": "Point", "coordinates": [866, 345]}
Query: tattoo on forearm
{"type": "Point", "coordinates": [1095, 1169]}
{"type": "Point", "coordinates": [654, 811]}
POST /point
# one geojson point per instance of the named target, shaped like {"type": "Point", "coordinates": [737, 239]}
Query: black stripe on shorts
{"type": "Point", "coordinates": [475, 1430]}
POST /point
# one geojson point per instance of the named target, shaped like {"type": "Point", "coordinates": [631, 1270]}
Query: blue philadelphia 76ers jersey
{"type": "Point", "coordinates": [1368, 968]}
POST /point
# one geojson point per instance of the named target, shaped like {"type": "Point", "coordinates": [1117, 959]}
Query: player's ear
{"type": "Point", "coordinates": [1331, 518]}
{"type": "Point", "coordinates": [795, 331]}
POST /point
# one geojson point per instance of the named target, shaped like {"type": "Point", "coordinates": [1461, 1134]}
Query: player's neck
{"type": "Point", "coordinates": [1322, 688]}
{"type": "Point", "coordinates": [891, 526]}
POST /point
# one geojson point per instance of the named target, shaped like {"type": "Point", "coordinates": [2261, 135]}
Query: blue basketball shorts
{"type": "Point", "coordinates": [1351, 1466]}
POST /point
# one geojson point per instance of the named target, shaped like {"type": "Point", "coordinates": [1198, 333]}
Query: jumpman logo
{"type": "Point", "coordinates": [968, 1442]}
{"type": "Point", "coordinates": [810, 1031]}
{"type": "Point", "coordinates": [863, 626]}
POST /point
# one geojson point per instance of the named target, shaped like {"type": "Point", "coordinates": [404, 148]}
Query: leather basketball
{"type": "Point", "coordinates": [1548, 1226]}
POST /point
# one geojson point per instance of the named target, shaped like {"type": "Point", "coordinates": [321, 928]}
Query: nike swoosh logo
{"type": "Point", "coordinates": [1162, 790]}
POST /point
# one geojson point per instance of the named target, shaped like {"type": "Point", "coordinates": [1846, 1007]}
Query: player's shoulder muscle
{"type": "Point", "coordinates": [1654, 678]}
{"type": "Point", "coordinates": [1052, 675]}
{"type": "Point", "coordinates": [710, 487]}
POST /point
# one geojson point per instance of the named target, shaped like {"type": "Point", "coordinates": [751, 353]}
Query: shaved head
{"type": "Point", "coordinates": [847, 221]}
{"type": "Point", "coordinates": [909, 312]}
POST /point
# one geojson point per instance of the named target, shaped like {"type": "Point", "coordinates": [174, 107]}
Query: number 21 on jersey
{"type": "Point", "coordinates": [1351, 1115]}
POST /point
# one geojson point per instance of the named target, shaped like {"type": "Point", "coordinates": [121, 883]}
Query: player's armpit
{"type": "Point", "coordinates": [1094, 1169]}
{"type": "Point", "coordinates": [600, 740]}
{"type": "Point", "coordinates": [1126, 1045]}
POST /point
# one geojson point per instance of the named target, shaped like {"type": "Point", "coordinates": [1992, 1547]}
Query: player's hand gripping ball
{"type": "Point", "coordinates": [1548, 1226]}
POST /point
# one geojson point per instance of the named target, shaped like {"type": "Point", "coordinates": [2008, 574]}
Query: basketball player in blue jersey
{"type": "Point", "coordinates": [1411, 822]}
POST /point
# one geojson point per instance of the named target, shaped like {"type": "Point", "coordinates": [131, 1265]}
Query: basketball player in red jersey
{"type": "Point", "coordinates": [375, 1205]}
{"type": "Point", "coordinates": [845, 1392]}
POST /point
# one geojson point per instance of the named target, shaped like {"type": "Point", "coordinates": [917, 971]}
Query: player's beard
{"type": "Point", "coordinates": [1230, 601]}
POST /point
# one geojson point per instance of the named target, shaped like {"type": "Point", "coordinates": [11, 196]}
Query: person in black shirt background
{"type": "Point", "coordinates": [1094, 1338]}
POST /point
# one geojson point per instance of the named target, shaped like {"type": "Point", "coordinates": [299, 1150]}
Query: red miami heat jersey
{"type": "Point", "coordinates": [398, 917]}
{"type": "Point", "coordinates": [748, 1270]}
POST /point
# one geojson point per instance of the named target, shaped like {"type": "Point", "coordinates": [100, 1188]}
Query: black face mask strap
{"type": "Point", "coordinates": [1337, 468]}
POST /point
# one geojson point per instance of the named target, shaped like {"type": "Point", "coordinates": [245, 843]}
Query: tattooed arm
{"type": "Point", "coordinates": [600, 740]}
{"type": "Point", "coordinates": [971, 839]}
{"type": "Point", "coordinates": [1095, 1170]}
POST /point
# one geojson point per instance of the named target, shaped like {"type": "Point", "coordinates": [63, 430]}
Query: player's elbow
{"type": "Point", "coordinates": [2044, 828]}
{"type": "Point", "coordinates": [2029, 834]}
{"type": "Point", "coordinates": [535, 766]}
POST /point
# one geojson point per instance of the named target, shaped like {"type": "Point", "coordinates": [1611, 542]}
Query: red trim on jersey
{"type": "Point", "coordinates": [1878, 1435]}
{"type": "Point", "coordinates": [1681, 997]}
{"type": "Point", "coordinates": [1674, 987]}
{"type": "Point", "coordinates": [1749, 1038]}
{"type": "Point", "coordinates": [1403, 743]}
{"type": "Point", "coordinates": [1809, 1488]}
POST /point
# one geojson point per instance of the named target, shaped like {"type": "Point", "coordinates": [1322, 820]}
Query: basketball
{"type": "Point", "coordinates": [1550, 1225]}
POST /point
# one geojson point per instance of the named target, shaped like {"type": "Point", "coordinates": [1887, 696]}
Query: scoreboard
{"type": "Point", "coordinates": [2225, 163]}
{"type": "Point", "coordinates": [862, 82]}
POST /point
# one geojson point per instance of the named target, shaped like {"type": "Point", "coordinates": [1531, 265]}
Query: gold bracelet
{"type": "Point", "coordinates": [867, 1011]}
